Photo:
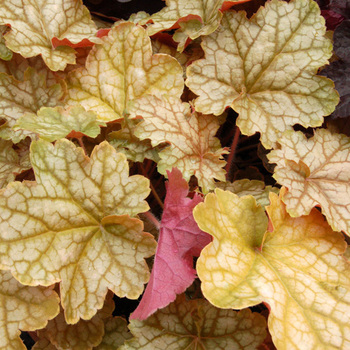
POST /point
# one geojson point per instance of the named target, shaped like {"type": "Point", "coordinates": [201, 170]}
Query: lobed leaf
{"type": "Point", "coordinates": [297, 269]}
{"type": "Point", "coordinates": [265, 69]}
{"type": "Point", "coordinates": [193, 324]}
{"type": "Point", "coordinates": [193, 149]}
{"type": "Point", "coordinates": [45, 28]}
{"type": "Point", "coordinates": [180, 240]}
{"type": "Point", "coordinates": [195, 18]}
{"type": "Point", "coordinates": [73, 226]}
{"type": "Point", "coordinates": [120, 69]}
{"type": "Point", "coordinates": [52, 124]}
{"type": "Point", "coordinates": [27, 96]}
{"type": "Point", "coordinates": [316, 172]}
{"type": "Point", "coordinates": [11, 163]}
{"type": "Point", "coordinates": [25, 308]}
{"type": "Point", "coordinates": [247, 187]}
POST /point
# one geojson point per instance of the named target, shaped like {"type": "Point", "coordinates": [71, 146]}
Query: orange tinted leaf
{"type": "Point", "coordinates": [316, 172]}
{"type": "Point", "coordinates": [37, 25]}
{"type": "Point", "coordinates": [193, 149]}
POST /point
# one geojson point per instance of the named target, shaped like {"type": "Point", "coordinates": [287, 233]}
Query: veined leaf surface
{"type": "Point", "coordinates": [120, 69]}
{"type": "Point", "coordinates": [193, 149]}
{"type": "Point", "coordinates": [39, 27]}
{"type": "Point", "coordinates": [265, 69]}
{"type": "Point", "coordinates": [316, 172]}
{"type": "Point", "coordinates": [297, 269]}
{"type": "Point", "coordinates": [196, 324]}
{"type": "Point", "coordinates": [73, 225]}
{"type": "Point", "coordinates": [25, 308]}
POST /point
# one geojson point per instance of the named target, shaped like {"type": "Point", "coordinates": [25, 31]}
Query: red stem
{"type": "Point", "coordinates": [232, 151]}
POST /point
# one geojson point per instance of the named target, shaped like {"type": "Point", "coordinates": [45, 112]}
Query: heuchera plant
{"type": "Point", "coordinates": [106, 127]}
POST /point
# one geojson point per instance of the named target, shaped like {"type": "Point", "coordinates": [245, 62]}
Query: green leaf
{"type": "Point", "coordinates": [265, 69]}
{"type": "Point", "coordinates": [193, 149]}
{"type": "Point", "coordinates": [120, 69]}
{"type": "Point", "coordinates": [11, 163]}
{"type": "Point", "coordinates": [27, 96]}
{"type": "Point", "coordinates": [25, 308]}
{"type": "Point", "coordinates": [193, 324]}
{"type": "Point", "coordinates": [52, 124]}
{"type": "Point", "coordinates": [73, 226]}
{"type": "Point", "coordinates": [5, 53]}
{"type": "Point", "coordinates": [37, 24]}
{"type": "Point", "coordinates": [296, 267]}
{"type": "Point", "coordinates": [247, 187]}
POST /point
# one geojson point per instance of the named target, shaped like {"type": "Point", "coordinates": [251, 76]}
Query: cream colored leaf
{"type": "Point", "coordinates": [120, 69]}
{"type": "Point", "coordinates": [52, 124]}
{"type": "Point", "coordinates": [265, 69]}
{"type": "Point", "coordinates": [247, 187]}
{"type": "Point", "coordinates": [11, 163]}
{"type": "Point", "coordinates": [196, 324]}
{"type": "Point", "coordinates": [83, 335]}
{"type": "Point", "coordinates": [297, 269]}
{"type": "Point", "coordinates": [193, 149]}
{"type": "Point", "coordinates": [126, 142]}
{"type": "Point", "coordinates": [27, 96]}
{"type": "Point", "coordinates": [116, 332]}
{"type": "Point", "coordinates": [36, 24]}
{"type": "Point", "coordinates": [316, 172]}
{"type": "Point", "coordinates": [73, 226]}
{"type": "Point", "coordinates": [195, 18]}
{"type": "Point", "coordinates": [23, 307]}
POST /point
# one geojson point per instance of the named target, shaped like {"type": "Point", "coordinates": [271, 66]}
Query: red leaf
{"type": "Point", "coordinates": [180, 240]}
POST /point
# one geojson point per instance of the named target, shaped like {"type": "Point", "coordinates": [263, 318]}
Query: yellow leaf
{"type": "Point", "coordinates": [316, 172]}
{"type": "Point", "coordinates": [36, 24]}
{"type": "Point", "coordinates": [25, 308]}
{"type": "Point", "coordinates": [196, 324]}
{"type": "Point", "coordinates": [193, 149]}
{"type": "Point", "coordinates": [297, 269]}
{"type": "Point", "coordinates": [265, 69]}
{"type": "Point", "coordinates": [120, 69]}
{"type": "Point", "coordinates": [73, 226]}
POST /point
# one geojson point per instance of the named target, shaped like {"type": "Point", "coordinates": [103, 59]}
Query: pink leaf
{"type": "Point", "coordinates": [180, 240]}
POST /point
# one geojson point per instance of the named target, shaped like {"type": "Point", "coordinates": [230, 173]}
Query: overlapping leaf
{"type": "Point", "coordinates": [40, 27]}
{"type": "Point", "coordinates": [120, 69]}
{"type": "Point", "coordinates": [52, 124]}
{"type": "Point", "coordinates": [11, 163]}
{"type": "Point", "coordinates": [23, 307]}
{"type": "Point", "coordinates": [193, 324]}
{"type": "Point", "coordinates": [193, 149]}
{"type": "Point", "coordinates": [116, 332]}
{"type": "Point", "coordinates": [125, 141]}
{"type": "Point", "coordinates": [27, 96]}
{"type": "Point", "coordinates": [73, 226]}
{"type": "Point", "coordinates": [5, 53]}
{"type": "Point", "coordinates": [316, 172]}
{"type": "Point", "coordinates": [179, 241]}
{"type": "Point", "coordinates": [264, 68]}
{"type": "Point", "coordinates": [83, 335]}
{"type": "Point", "coordinates": [247, 187]}
{"type": "Point", "coordinates": [297, 269]}
{"type": "Point", "coordinates": [195, 18]}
